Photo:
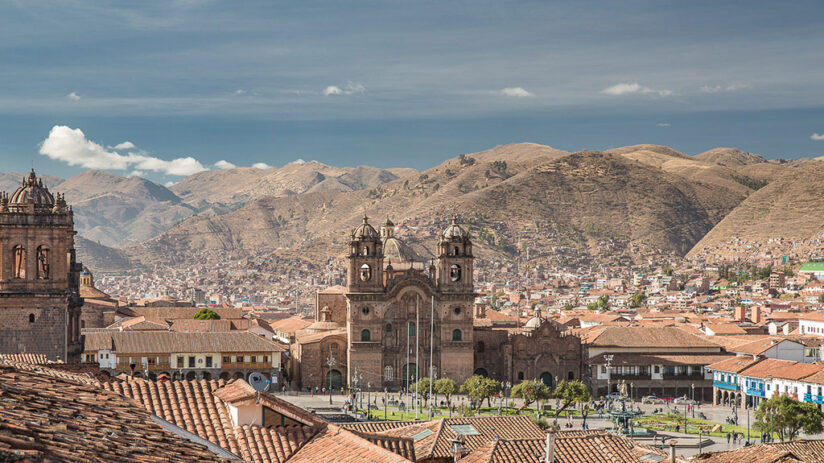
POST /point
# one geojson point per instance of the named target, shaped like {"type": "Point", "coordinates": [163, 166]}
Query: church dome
{"type": "Point", "coordinates": [455, 232]}
{"type": "Point", "coordinates": [398, 251]}
{"type": "Point", "coordinates": [365, 232]}
{"type": "Point", "coordinates": [533, 323]}
{"type": "Point", "coordinates": [32, 191]}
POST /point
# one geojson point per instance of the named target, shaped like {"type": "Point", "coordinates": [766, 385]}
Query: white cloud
{"type": "Point", "coordinates": [518, 92]}
{"type": "Point", "coordinates": [298, 161]}
{"type": "Point", "coordinates": [72, 147]}
{"type": "Point", "coordinates": [136, 173]}
{"type": "Point", "coordinates": [169, 184]}
{"type": "Point", "coordinates": [224, 164]}
{"type": "Point", "coordinates": [240, 91]}
{"type": "Point", "coordinates": [261, 165]}
{"type": "Point", "coordinates": [126, 145]}
{"type": "Point", "coordinates": [630, 88]}
{"type": "Point", "coordinates": [817, 136]}
{"type": "Point", "coordinates": [663, 124]}
{"type": "Point", "coordinates": [73, 96]}
{"type": "Point", "coordinates": [721, 88]}
{"type": "Point", "coordinates": [349, 89]}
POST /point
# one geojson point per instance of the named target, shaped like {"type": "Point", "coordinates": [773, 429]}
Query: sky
{"type": "Point", "coordinates": [169, 88]}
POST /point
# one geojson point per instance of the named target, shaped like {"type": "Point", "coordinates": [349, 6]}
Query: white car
{"type": "Point", "coordinates": [683, 401]}
{"type": "Point", "coordinates": [651, 399]}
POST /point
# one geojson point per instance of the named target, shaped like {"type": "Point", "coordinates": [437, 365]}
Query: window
{"type": "Point", "coordinates": [254, 358]}
{"type": "Point", "coordinates": [387, 373]}
{"type": "Point", "coordinates": [208, 361]}
{"type": "Point", "coordinates": [179, 362]}
{"type": "Point", "coordinates": [226, 359]}
{"type": "Point", "coordinates": [457, 310]}
{"type": "Point", "coordinates": [238, 359]}
{"type": "Point", "coordinates": [365, 272]}
{"type": "Point", "coordinates": [19, 270]}
{"type": "Point", "coordinates": [191, 362]}
{"type": "Point", "coordinates": [456, 335]}
{"type": "Point", "coordinates": [570, 376]}
{"type": "Point", "coordinates": [520, 376]}
{"type": "Point", "coordinates": [31, 318]}
{"type": "Point", "coordinates": [388, 327]}
{"type": "Point", "coordinates": [265, 359]}
{"type": "Point", "coordinates": [657, 369]}
{"type": "Point", "coordinates": [455, 272]}
{"type": "Point", "coordinates": [365, 336]}
{"type": "Point", "coordinates": [42, 262]}
{"type": "Point", "coordinates": [82, 324]}
{"type": "Point", "coordinates": [366, 250]}
{"type": "Point", "coordinates": [412, 329]}
{"type": "Point", "coordinates": [456, 251]}
{"type": "Point", "coordinates": [480, 347]}
{"type": "Point", "coordinates": [365, 310]}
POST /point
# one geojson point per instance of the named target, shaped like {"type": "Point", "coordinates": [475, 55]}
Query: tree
{"type": "Point", "coordinates": [603, 302]}
{"type": "Point", "coordinates": [592, 306]}
{"type": "Point", "coordinates": [466, 160]}
{"type": "Point", "coordinates": [638, 299]}
{"type": "Point", "coordinates": [477, 388]}
{"type": "Point", "coordinates": [787, 416]}
{"type": "Point", "coordinates": [206, 314]}
{"type": "Point", "coordinates": [531, 391]}
{"type": "Point", "coordinates": [570, 393]}
{"type": "Point", "coordinates": [447, 387]}
{"type": "Point", "coordinates": [422, 387]}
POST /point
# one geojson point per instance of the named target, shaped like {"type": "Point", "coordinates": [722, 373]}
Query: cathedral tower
{"type": "Point", "coordinates": [39, 277]}
{"type": "Point", "coordinates": [454, 267]}
{"type": "Point", "coordinates": [365, 260]}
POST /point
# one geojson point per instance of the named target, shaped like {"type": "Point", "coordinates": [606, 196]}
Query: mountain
{"type": "Point", "coordinates": [100, 258]}
{"type": "Point", "coordinates": [729, 157]}
{"type": "Point", "coordinates": [235, 187]}
{"type": "Point", "coordinates": [789, 207]}
{"type": "Point", "coordinates": [503, 194]}
{"type": "Point", "coordinates": [118, 211]}
{"type": "Point", "coordinates": [10, 181]}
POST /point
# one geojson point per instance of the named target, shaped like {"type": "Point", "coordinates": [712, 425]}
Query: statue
{"type": "Point", "coordinates": [622, 387]}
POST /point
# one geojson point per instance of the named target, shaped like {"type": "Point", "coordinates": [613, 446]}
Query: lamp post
{"type": "Point", "coordinates": [608, 358]}
{"type": "Point", "coordinates": [368, 398]}
{"type": "Point", "coordinates": [685, 417]}
{"type": "Point", "coordinates": [330, 362]}
{"type": "Point", "coordinates": [632, 392]}
{"type": "Point", "coordinates": [692, 386]}
{"type": "Point", "coordinates": [748, 425]}
{"type": "Point", "coordinates": [385, 410]}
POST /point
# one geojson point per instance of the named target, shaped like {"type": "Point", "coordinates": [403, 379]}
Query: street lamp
{"type": "Point", "coordinates": [608, 358]}
{"type": "Point", "coordinates": [632, 392]}
{"type": "Point", "coordinates": [385, 410]}
{"type": "Point", "coordinates": [692, 386]}
{"type": "Point", "coordinates": [368, 398]}
{"type": "Point", "coordinates": [330, 362]}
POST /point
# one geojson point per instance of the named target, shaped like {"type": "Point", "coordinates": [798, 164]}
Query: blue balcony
{"type": "Point", "coordinates": [813, 398]}
{"type": "Point", "coordinates": [755, 392]}
{"type": "Point", "coordinates": [725, 385]}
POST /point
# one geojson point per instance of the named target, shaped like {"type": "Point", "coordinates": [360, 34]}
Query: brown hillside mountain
{"type": "Point", "coordinates": [10, 181]}
{"type": "Point", "coordinates": [118, 211]}
{"type": "Point", "coordinates": [241, 185]}
{"type": "Point", "coordinates": [730, 157]}
{"type": "Point", "coordinates": [790, 207]}
{"type": "Point", "coordinates": [100, 258]}
{"type": "Point", "coordinates": [582, 197]}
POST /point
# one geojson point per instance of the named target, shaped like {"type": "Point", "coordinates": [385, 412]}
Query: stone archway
{"type": "Point", "coordinates": [546, 378]}
{"type": "Point", "coordinates": [191, 375]}
{"type": "Point", "coordinates": [225, 376]}
{"type": "Point", "coordinates": [334, 378]}
{"type": "Point", "coordinates": [481, 372]}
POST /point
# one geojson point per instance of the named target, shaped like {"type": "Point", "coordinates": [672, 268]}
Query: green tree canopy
{"type": "Point", "coordinates": [603, 302]}
{"type": "Point", "coordinates": [206, 314]}
{"type": "Point", "coordinates": [570, 393]}
{"type": "Point", "coordinates": [477, 388]}
{"type": "Point", "coordinates": [531, 391]}
{"type": "Point", "coordinates": [787, 417]}
{"type": "Point", "coordinates": [422, 387]}
{"type": "Point", "coordinates": [638, 299]}
{"type": "Point", "coordinates": [447, 387]}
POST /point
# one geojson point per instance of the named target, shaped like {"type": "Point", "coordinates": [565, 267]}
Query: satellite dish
{"type": "Point", "coordinates": [258, 381]}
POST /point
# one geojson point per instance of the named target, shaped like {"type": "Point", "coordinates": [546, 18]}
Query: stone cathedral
{"type": "Point", "coordinates": [40, 302]}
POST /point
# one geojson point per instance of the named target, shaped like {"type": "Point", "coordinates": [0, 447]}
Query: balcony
{"type": "Point", "coordinates": [725, 385]}
{"type": "Point", "coordinates": [755, 391]}
{"type": "Point", "coordinates": [817, 398]}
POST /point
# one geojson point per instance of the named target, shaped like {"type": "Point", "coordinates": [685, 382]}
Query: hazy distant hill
{"type": "Point", "coordinates": [100, 258]}
{"type": "Point", "coordinates": [729, 157]}
{"type": "Point", "coordinates": [791, 206]}
{"type": "Point", "coordinates": [583, 197]}
{"type": "Point", "coordinates": [241, 185]}
{"type": "Point", "coordinates": [118, 211]}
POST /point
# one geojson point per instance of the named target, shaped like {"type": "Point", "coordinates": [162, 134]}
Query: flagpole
{"type": "Point", "coordinates": [417, 345]}
{"type": "Point", "coordinates": [431, 350]}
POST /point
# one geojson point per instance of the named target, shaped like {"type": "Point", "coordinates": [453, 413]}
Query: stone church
{"type": "Point", "coordinates": [39, 276]}
{"type": "Point", "coordinates": [401, 317]}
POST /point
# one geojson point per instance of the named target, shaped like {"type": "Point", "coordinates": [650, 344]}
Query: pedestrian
{"type": "Point", "coordinates": [728, 438]}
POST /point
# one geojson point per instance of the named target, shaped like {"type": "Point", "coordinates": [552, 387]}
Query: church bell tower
{"type": "Point", "coordinates": [365, 260]}
{"type": "Point", "coordinates": [454, 268]}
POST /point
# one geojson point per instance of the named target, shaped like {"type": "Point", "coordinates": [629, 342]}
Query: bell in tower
{"type": "Point", "coordinates": [455, 272]}
{"type": "Point", "coordinates": [365, 259]}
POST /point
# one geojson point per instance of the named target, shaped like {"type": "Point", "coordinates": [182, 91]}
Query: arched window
{"type": "Point", "coordinates": [19, 270]}
{"type": "Point", "coordinates": [520, 376]}
{"type": "Point", "coordinates": [43, 262]}
{"type": "Point", "coordinates": [456, 335]}
{"type": "Point", "coordinates": [481, 347]}
{"type": "Point", "coordinates": [570, 376]}
{"type": "Point", "coordinates": [455, 272]}
{"type": "Point", "coordinates": [457, 310]}
{"type": "Point", "coordinates": [365, 310]}
{"type": "Point", "coordinates": [456, 250]}
{"type": "Point", "coordinates": [333, 349]}
{"type": "Point", "coordinates": [365, 272]}
{"type": "Point", "coordinates": [365, 336]}
{"type": "Point", "coordinates": [387, 373]}
{"type": "Point", "coordinates": [412, 329]}
{"type": "Point", "coordinates": [366, 250]}
{"type": "Point", "coordinates": [388, 327]}
{"type": "Point", "coordinates": [31, 318]}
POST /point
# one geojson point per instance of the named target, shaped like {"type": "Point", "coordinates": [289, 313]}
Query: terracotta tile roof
{"type": "Point", "coordinates": [52, 419]}
{"type": "Point", "coordinates": [808, 451]}
{"type": "Point", "coordinates": [734, 364]}
{"type": "Point", "coordinates": [597, 446]}
{"type": "Point", "coordinates": [615, 336]}
{"type": "Point", "coordinates": [307, 338]}
{"type": "Point", "coordinates": [34, 359]}
{"type": "Point", "coordinates": [171, 313]}
{"type": "Point", "coordinates": [815, 378]}
{"type": "Point", "coordinates": [200, 326]}
{"type": "Point", "coordinates": [273, 444]}
{"type": "Point", "coordinates": [51, 372]}
{"type": "Point", "coordinates": [757, 347]}
{"type": "Point", "coordinates": [376, 426]}
{"type": "Point", "coordinates": [291, 324]}
{"type": "Point", "coordinates": [147, 342]}
{"type": "Point", "coordinates": [236, 390]}
{"type": "Point", "coordinates": [784, 369]}
{"type": "Point", "coordinates": [337, 444]}
{"type": "Point", "coordinates": [403, 446]}
{"type": "Point", "coordinates": [763, 453]}
{"type": "Point", "coordinates": [725, 328]}
{"type": "Point", "coordinates": [661, 359]}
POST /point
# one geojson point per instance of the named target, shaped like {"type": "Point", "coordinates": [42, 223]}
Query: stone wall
{"type": "Point", "coordinates": [45, 335]}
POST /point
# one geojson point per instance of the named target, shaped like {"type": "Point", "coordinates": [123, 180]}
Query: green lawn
{"type": "Point", "coordinates": [396, 414]}
{"type": "Point", "coordinates": [669, 421]}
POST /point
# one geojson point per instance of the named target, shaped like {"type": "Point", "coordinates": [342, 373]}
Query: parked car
{"type": "Point", "coordinates": [614, 396]}
{"type": "Point", "coordinates": [684, 401]}
{"type": "Point", "coordinates": [651, 399]}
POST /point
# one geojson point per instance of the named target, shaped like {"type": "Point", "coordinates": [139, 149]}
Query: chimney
{"type": "Point", "coordinates": [549, 449]}
{"type": "Point", "coordinates": [740, 313]}
{"type": "Point", "coordinates": [672, 451]}
{"type": "Point", "coordinates": [756, 315]}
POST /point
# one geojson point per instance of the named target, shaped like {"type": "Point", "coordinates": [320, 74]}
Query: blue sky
{"type": "Point", "coordinates": [191, 83]}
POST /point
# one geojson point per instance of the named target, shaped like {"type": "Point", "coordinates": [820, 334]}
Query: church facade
{"type": "Point", "coordinates": [39, 276]}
